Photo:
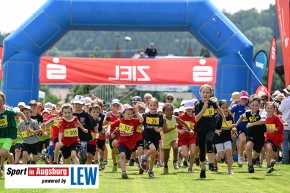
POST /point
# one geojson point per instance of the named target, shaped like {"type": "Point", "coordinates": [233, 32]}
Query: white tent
{"type": "Point", "coordinates": [41, 94]}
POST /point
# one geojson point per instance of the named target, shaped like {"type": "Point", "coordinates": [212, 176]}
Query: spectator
{"type": "Point", "coordinates": [169, 98]}
{"type": "Point", "coordinates": [284, 108]}
{"type": "Point", "coordinates": [151, 52]}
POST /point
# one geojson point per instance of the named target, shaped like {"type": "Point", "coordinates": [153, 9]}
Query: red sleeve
{"type": "Point", "coordinates": [136, 123]}
{"type": "Point", "coordinates": [61, 125]}
{"type": "Point", "coordinates": [115, 124]}
{"type": "Point", "coordinates": [279, 124]}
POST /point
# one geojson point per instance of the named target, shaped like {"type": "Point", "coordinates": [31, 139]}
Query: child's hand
{"type": "Point", "coordinates": [205, 105]}
{"type": "Point", "coordinates": [61, 144]}
{"type": "Point", "coordinates": [218, 132]}
{"type": "Point", "coordinates": [44, 133]}
{"type": "Point", "coordinates": [97, 136]}
{"type": "Point", "coordinates": [191, 132]}
{"type": "Point", "coordinates": [85, 130]}
{"type": "Point", "coordinates": [156, 129]}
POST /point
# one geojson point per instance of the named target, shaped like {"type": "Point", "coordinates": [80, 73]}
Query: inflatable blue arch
{"type": "Point", "coordinates": [23, 48]}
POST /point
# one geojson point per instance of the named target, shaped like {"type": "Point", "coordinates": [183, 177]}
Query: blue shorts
{"type": "Point", "coordinates": [50, 150]}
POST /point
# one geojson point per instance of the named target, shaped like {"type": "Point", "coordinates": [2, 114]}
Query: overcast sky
{"type": "Point", "coordinates": [14, 12]}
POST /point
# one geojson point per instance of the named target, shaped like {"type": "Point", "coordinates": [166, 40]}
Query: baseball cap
{"type": "Point", "coordinates": [151, 44]}
{"type": "Point", "coordinates": [26, 107]}
{"type": "Point", "coordinates": [125, 107]}
{"type": "Point", "coordinates": [88, 100]}
{"type": "Point", "coordinates": [79, 99]}
{"type": "Point", "coordinates": [48, 106]}
{"type": "Point", "coordinates": [115, 101]}
{"type": "Point", "coordinates": [39, 104]}
{"type": "Point", "coordinates": [136, 99]}
{"type": "Point", "coordinates": [188, 105]}
{"type": "Point", "coordinates": [181, 109]}
{"type": "Point", "coordinates": [32, 102]}
{"type": "Point", "coordinates": [235, 96]}
{"type": "Point", "coordinates": [244, 95]}
{"type": "Point", "coordinates": [21, 104]}
{"type": "Point", "coordinates": [46, 111]}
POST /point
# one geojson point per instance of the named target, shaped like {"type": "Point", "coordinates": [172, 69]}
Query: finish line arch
{"type": "Point", "coordinates": [23, 48]}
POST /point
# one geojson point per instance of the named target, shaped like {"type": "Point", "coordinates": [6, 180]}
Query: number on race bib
{"type": "Point", "coordinates": [125, 128]}
{"type": "Point", "coordinates": [3, 122]}
{"type": "Point", "coordinates": [271, 126]}
{"type": "Point", "coordinates": [252, 119]}
{"type": "Point", "coordinates": [227, 124]}
{"type": "Point", "coordinates": [71, 132]}
{"type": "Point", "coordinates": [139, 129]}
{"type": "Point", "coordinates": [208, 112]}
{"type": "Point", "coordinates": [152, 121]}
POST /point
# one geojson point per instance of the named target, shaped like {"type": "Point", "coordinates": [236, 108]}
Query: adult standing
{"type": "Point", "coordinates": [284, 108]}
{"type": "Point", "coordinates": [151, 52]}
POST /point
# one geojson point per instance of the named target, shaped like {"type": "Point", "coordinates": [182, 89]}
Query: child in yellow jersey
{"type": "Point", "coordinates": [170, 135]}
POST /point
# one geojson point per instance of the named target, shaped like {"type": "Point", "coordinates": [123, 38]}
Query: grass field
{"type": "Point", "coordinates": [183, 182]}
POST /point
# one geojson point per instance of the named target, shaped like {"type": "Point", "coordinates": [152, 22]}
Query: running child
{"type": "Point", "coordinates": [256, 129]}
{"type": "Point", "coordinates": [125, 128]}
{"type": "Point", "coordinates": [205, 126]}
{"type": "Point", "coordinates": [170, 135]}
{"type": "Point", "coordinates": [153, 124]}
{"type": "Point", "coordinates": [223, 135]}
{"type": "Point", "coordinates": [186, 139]}
{"type": "Point", "coordinates": [68, 134]}
{"type": "Point", "coordinates": [274, 135]}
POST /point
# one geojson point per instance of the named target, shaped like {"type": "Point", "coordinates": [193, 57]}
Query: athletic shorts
{"type": "Point", "coordinates": [6, 143]}
{"type": "Point", "coordinates": [66, 150]}
{"type": "Point", "coordinates": [147, 143]}
{"type": "Point", "coordinates": [50, 151]}
{"type": "Point", "coordinates": [30, 148]}
{"type": "Point", "coordinates": [274, 147]}
{"type": "Point", "coordinates": [220, 147]}
{"type": "Point", "coordinates": [186, 142]}
{"type": "Point", "coordinates": [139, 143]}
{"type": "Point", "coordinates": [111, 141]}
{"type": "Point", "coordinates": [101, 144]}
{"type": "Point", "coordinates": [91, 149]}
{"type": "Point", "coordinates": [40, 145]}
{"type": "Point", "coordinates": [258, 142]}
{"type": "Point", "coordinates": [127, 151]}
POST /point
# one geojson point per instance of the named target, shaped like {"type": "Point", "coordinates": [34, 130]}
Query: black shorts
{"type": "Point", "coordinates": [240, 131]}
{"type": "Point", "coordinates": [274, 147]}
{"type": "Point", "coordinates": [127, 151]}
{"type": "Point", "coordinates": [91, 149]}
{"type": "Point", "coordinates": [101, 144]}
{"type": "Point", "coordinates": [147, 143]}
{"type": "Point", "coordinates": [258, 142]}
{"type": "Point", "coordinates": [111, 141]}
{"type": "Point", "coordinates": [66, 150]}
{"type": "Point", "coordinates": [30, 148]}
{"type": "Point", "coordinates": [55, 141]}
{"type": "Point", "coordinates": [40, 145]}
{"type": "Point", "coordinates": [139, 143]}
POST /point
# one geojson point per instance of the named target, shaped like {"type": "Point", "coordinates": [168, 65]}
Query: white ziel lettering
{"type": "Point", "coordinates": [273, 54]}
{"type": "Point", "coordinates": [130, 73]}
{"type": "Point", "coordinates": [56, 71]}
{"type": "Point", "coordinates": [202, 74]}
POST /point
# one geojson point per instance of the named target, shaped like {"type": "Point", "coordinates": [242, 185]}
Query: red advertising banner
{"type": "Point", "coordinates": [173, 71]}
{"type": "Point", "coordinates": [1, 48]}
{"type": "Point", "coordinates": [282, 9]}
{"type": "Point", "coordinates": [272, 62]}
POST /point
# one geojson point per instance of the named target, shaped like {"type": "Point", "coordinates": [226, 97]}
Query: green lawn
{"type": "Point", "coordinates": [183, 182]}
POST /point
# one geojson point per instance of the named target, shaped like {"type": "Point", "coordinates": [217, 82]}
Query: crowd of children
{"type": "Point", "coordinates": [200, 131]}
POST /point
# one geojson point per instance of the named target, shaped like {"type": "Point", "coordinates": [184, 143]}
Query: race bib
{"type": "Point", "coordinates": [227, 124]}
{"type": "Point", "coordinates": [26, 134]}
{"type": "Point", "coordinates": [3, 122]}
{"type": "Point", "coordinates": [208, 112]}
{"type": "Point", "coordinates": [56, 122]}
{"type": "Point", "coordinates": [252, 119]}
{"type": "Point", "coordinates": [93, 135]}
{"type": "Point", "coordinates": [125, 128]}
{"type": "Point", "coordinates": [152, 121]}
{"type": "Point", "coordinates": [139, 129]}
{"type": "Point", "coordinates": [71, 132]}
{"type": "Point", "coordinates": [271, 126]}
{"type": "Point", "coordinates": [244, 119]}
{"type": "Point", "coordinates": [189, 124]}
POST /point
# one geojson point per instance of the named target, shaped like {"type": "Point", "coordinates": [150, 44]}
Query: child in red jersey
{"type": "Point", "coordinates": [186, 139]}
{"type": "Point", "coordinates": [110, 117]}
{"type": "Point", "coordinates": [68, 134]}
{"type": "Point", "coordinates": [125, 128]}
{"type": "Point", "coordinates": [274, 135]}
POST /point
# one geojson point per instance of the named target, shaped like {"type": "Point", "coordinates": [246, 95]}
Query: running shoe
{"type": "Point", "coordinates": [273, 162]}
{"type": "Point", "coordinates": [211, 167]}
{"type": "Point", "coordinates": [151, 174]}
{"type": "Point", "coordinates": [165, 170]}
{"type": "Point", "coordinates": [190, 170]}
{"type": "Point", "coordinates": [105, 162]}
{"type": "Point", "coordinates": [270, 170]}
{"type": "Point", "coordinates": [251, 169]}
{"type": "Point", "coordinates": [141, 171]}
{"type": "Point", "coordinates": [202, 174]}
{"type": "Point", "coordinates": [240, 161]}
{"type": "Point", "coordinates": [124, 175]}
{"type": "Point", "coordinates": [131, 162]}
{"type": "Point", "coordinates": [230, 172]}
{"type": "Point", "coordinates": [114, 168]}
{"type": "Point", "coordinates": [143, 163]}
{"type": "Point", "coordinates": [185, 164]}
{"type": "Point", "coordinates": [176, 165]}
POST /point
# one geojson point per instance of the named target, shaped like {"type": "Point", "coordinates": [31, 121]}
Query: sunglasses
{"type": "Point", "coordinates": [170, 99]}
